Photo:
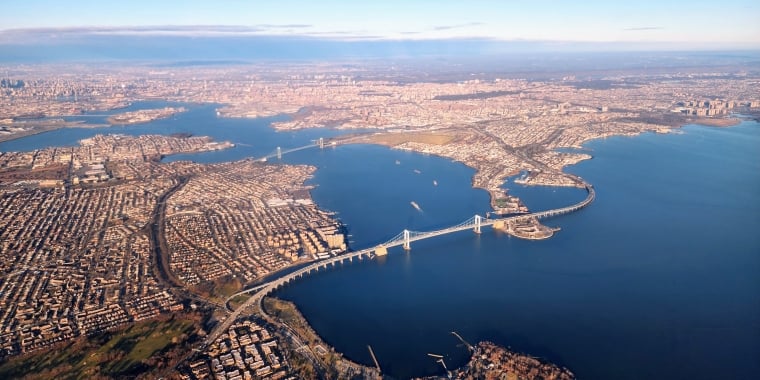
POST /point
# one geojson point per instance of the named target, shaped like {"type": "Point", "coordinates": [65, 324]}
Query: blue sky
{"type": "Point", "coordinates": [734, 22]}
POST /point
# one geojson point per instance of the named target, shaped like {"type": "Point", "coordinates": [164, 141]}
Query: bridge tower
{"type": "Point", "coordinates": [477, 224]}
{"type": "Point", "coordinates": [321, 143]}
{"type": "Point", "coordinates": [279, 153]}
{"type": "Point", "coordinates": [407, 244]}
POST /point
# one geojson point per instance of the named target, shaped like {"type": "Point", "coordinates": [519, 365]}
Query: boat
{"type": "Point", "coordinates": [416, 206]}
{"type": "Point", "coordinates": [417, 171]}
{"type": "Point", "coordinates": [398, 162]}
{"type": "Point", "coordinates": [435, 183]}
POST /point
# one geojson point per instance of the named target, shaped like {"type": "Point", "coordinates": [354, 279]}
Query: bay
{"type": "Point", "coordinates": [656, 279]}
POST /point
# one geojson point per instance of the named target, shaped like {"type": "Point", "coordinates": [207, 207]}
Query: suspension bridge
{"type": "Point", "coordinates": [404, 239]}
{"type": "Point", "coordinates": [279, 152]}
{"type": "Point", "coordinates": [320, 143]}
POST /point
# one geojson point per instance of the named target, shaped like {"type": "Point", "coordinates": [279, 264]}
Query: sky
{"type": "Point", "coordinates": [694, 22]}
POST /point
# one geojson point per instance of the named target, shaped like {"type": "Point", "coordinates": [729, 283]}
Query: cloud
{"type": "Point", "coordinates": [457, 26]}
{"type": "Point", "coordinates": [36, 35]}
{"type": "Point", "coordinates": [641, 28]}
{"type": "Point", "coordinates": [21, 36]}
{"type": "Point", "coordinates": [48, 34]}
{"type": "Point", "coordinates": [336, 32]}
{"type": "Point", "coordinates": [159, 29]}
{"type": "Point", "coordinates": [285, 26]}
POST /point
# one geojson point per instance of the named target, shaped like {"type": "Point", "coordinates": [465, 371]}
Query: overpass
{"type": "Point", "coordinates": [404, 239]}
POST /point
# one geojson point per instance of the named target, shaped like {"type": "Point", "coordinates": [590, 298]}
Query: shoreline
{"type": "Point", "coordinates": [37, 126]}
{"type": "Point", "coordinates": [496, 195]}
{"type": "Point", "coordinates": [377, 139]}
{"type": "Point", "coordinates": [326, 358]}
{"type": "Point", "coordinates": [62, 123]}
{"type": "Point", "coordinates": [489, 360]}
{"type": "Point", "coordinates": [50, 128]}
{"type": "Point", "coordinates": [486, 358]}
{"type": "Point", "coordinates": [32, 132]}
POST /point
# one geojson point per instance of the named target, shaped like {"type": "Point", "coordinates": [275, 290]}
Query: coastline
{"type": "Point", "coordinates": [297, 332]}
{"type": "Point", "coordinates": [488, 359]}
{"type": "Point", "coordinates": [32, 132]}
{"type": "Point", "coordinates": [142, 116]}
{"type": "Point", "coordinates": [491, 361]}
{"type": "Point", "coordinates": [36, 130]}
{"type": "Point", "coordinates": [394, 140]}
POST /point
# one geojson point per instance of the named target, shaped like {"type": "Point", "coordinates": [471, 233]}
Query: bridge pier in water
{"type": "Point", "coordinates": [279, 153]}
{"type": "Point", "coordinates": [321, 143]}
{"type": "Point", "coordinates": [407, 243]}
{"type": "Point", "coordinates": [477, 224]}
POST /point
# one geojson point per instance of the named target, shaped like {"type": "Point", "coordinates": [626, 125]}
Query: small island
{"type": "Point", "coordinates": [144, 116]}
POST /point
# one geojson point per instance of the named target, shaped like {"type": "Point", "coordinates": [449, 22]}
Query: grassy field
{"type": "Point", "coordinates": [116, 354]}
{"type": "Point", "coordinates": [333, 365]}
{"type": "Point", "coordinates": [287, 312]}
{"type": "Point", "coordinates": [239, 300]}
{"type": "Point", "coordinates": [219, 289]}
{"type": "Point", "coordinates": [228, 287]}
{"type": "Point", "coordinates": [393, 139]}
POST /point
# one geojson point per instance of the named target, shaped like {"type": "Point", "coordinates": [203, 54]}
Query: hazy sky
{"type": "Point", "coordinates": [692, 21]}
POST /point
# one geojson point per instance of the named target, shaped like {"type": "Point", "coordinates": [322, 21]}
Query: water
{"type": "Point", "coordinates": [253, 137]}
{"type": "Point", "coordinates": [656, 279]}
